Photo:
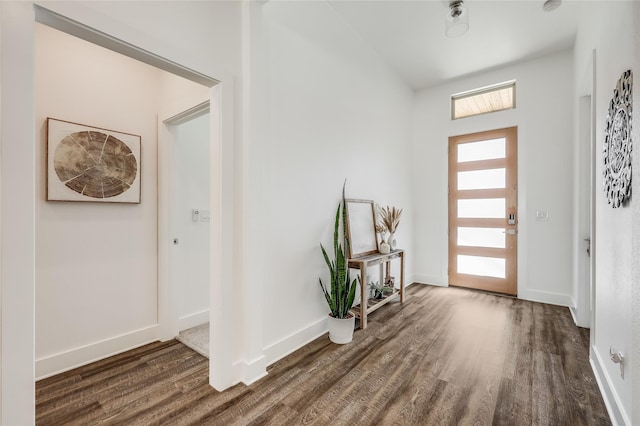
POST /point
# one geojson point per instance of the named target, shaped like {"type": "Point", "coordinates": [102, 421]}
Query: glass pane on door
{"type": "Point", "coordinates": [482, 266]}
{"type": "Point", "coordinates": [482, 208]}
{"type": "Point", "coordinates": [481, 237]}
{"type": "Point", "coordinates": [482, 179]}
{"type": "Point", "coordinates": [483, 150]}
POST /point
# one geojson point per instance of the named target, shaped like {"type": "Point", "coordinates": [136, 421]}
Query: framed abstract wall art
{"type": "Point", "coordinates": [87, 163]}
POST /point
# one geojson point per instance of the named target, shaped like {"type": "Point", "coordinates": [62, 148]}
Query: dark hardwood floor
{"type": "Point", "coordinates": [446, 356]}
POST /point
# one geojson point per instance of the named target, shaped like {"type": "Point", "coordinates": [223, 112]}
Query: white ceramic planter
{"type": "Point", "coordinates": [341, 330]}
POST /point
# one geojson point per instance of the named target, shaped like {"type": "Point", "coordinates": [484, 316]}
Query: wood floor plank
{"type": "Point", "coordinates": [447, 356]}
{"type": "Point", "coordinates": [108, 386]}
{"type": "Point", "coordinates": [99, 374]}
{"type": "Point", "coordinates": [166, 405]}
{"type": "Point", "coordinates": [506, 410]}
{"type": "Point", "coordinates": [151, 393]}
{"type": "Point", "coordinates": [278, 414]}
{"type": "Point", "coordinates": [207, 408]}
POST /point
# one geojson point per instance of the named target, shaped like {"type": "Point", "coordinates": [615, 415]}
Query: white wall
{"type": "Point", "coordinates": [334, 112]}
{"type": "Point", "coordinates": [191, 274]}
{"type": "Point", "coordinates": [544, 119]}
{"type": "Point", "coordinates": [96, 263]}
{"type": "Point", "coordinates": [179, 95]}
{"type": "Point", "coordinates": [608, 27]}
{"type": "Point", "coordinates": [202, 36]}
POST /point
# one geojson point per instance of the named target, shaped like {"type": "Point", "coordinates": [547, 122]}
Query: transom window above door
{"type": "Point", "coordinates": [497, 97]}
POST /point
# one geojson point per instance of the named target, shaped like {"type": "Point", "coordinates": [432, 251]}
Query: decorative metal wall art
{"type": "Point", "coordinates": [617, 143]}
{"type": "Point", "coordinates": [91, 164]}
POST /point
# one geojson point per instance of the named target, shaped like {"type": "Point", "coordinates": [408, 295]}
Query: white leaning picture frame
{"type": "Point", "coordinates": [361, 228]}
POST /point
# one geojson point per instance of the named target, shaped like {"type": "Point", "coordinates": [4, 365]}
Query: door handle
{"type": "Point", "coordinates": [510, 232]}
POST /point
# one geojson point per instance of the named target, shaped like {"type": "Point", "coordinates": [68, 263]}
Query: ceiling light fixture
{"type": "Point", "coordinates": [457, 20]}
{"type": "Point", "coordinates": [550, 5]}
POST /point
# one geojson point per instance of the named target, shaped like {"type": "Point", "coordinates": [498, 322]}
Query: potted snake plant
{"type": "Point", "coordinates": [342, 291]}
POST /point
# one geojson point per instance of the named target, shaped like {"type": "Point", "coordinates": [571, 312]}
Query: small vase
{"type": "Point", "coordinates": [391, 240]}
{"type": "Point", "coordinates": [384, 248]}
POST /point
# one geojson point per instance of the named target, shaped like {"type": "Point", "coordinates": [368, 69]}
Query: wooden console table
{"type": "Point", "coordinates": [367, 305]}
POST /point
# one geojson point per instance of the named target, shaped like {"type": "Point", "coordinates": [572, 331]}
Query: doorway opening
{"type": "Point", "coordinates": [190, 218]}
{"type": "Point", "coordinates": [483, 211]}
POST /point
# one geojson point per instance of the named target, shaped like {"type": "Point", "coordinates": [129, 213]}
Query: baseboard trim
{"type": "Point", "coordinates": [545, 297]}
{"type": "Point", "coordinates": [193, 320]}
{"type": "Point", "coordinates": [611, 400]}
{"type": "Point", "coordinates": [574, 310]}
{"type": "Point", "coordinates": [408, 280]}
{"type": "Point", "coordinates": [295, 341]}
{"type": "Point", "coordinates": [574, 315]}
{"type": "Point", "coordinates": [55, 364]}
{"type": "Point", "coordinates": [426, 279]}
{"type": "Point", "coordinates": [251, 371]}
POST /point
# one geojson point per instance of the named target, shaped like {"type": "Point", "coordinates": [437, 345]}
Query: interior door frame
{"type": "Point", "coordinates": [594, 184]}
{"type": "Point", "coordinates": [510, 162]}
{"type": "Point", "coordinates": [585, 183]}
{"type": "Point", "coordinates": [221, 369]}
{"type": "Point", "coordinates": [584, 237]}
{"type": "Point", "coordinates": [168, 316]}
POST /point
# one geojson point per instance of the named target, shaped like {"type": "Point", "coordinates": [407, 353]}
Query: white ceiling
{"type": "Point", "coordinates": [409, 35]}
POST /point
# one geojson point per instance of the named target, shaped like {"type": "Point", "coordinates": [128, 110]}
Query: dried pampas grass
{"type": "Point", "coordinates": [390, 217]}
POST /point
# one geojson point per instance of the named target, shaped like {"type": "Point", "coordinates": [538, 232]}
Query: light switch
{"type": "Point", "coordinates": [542, 215]}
